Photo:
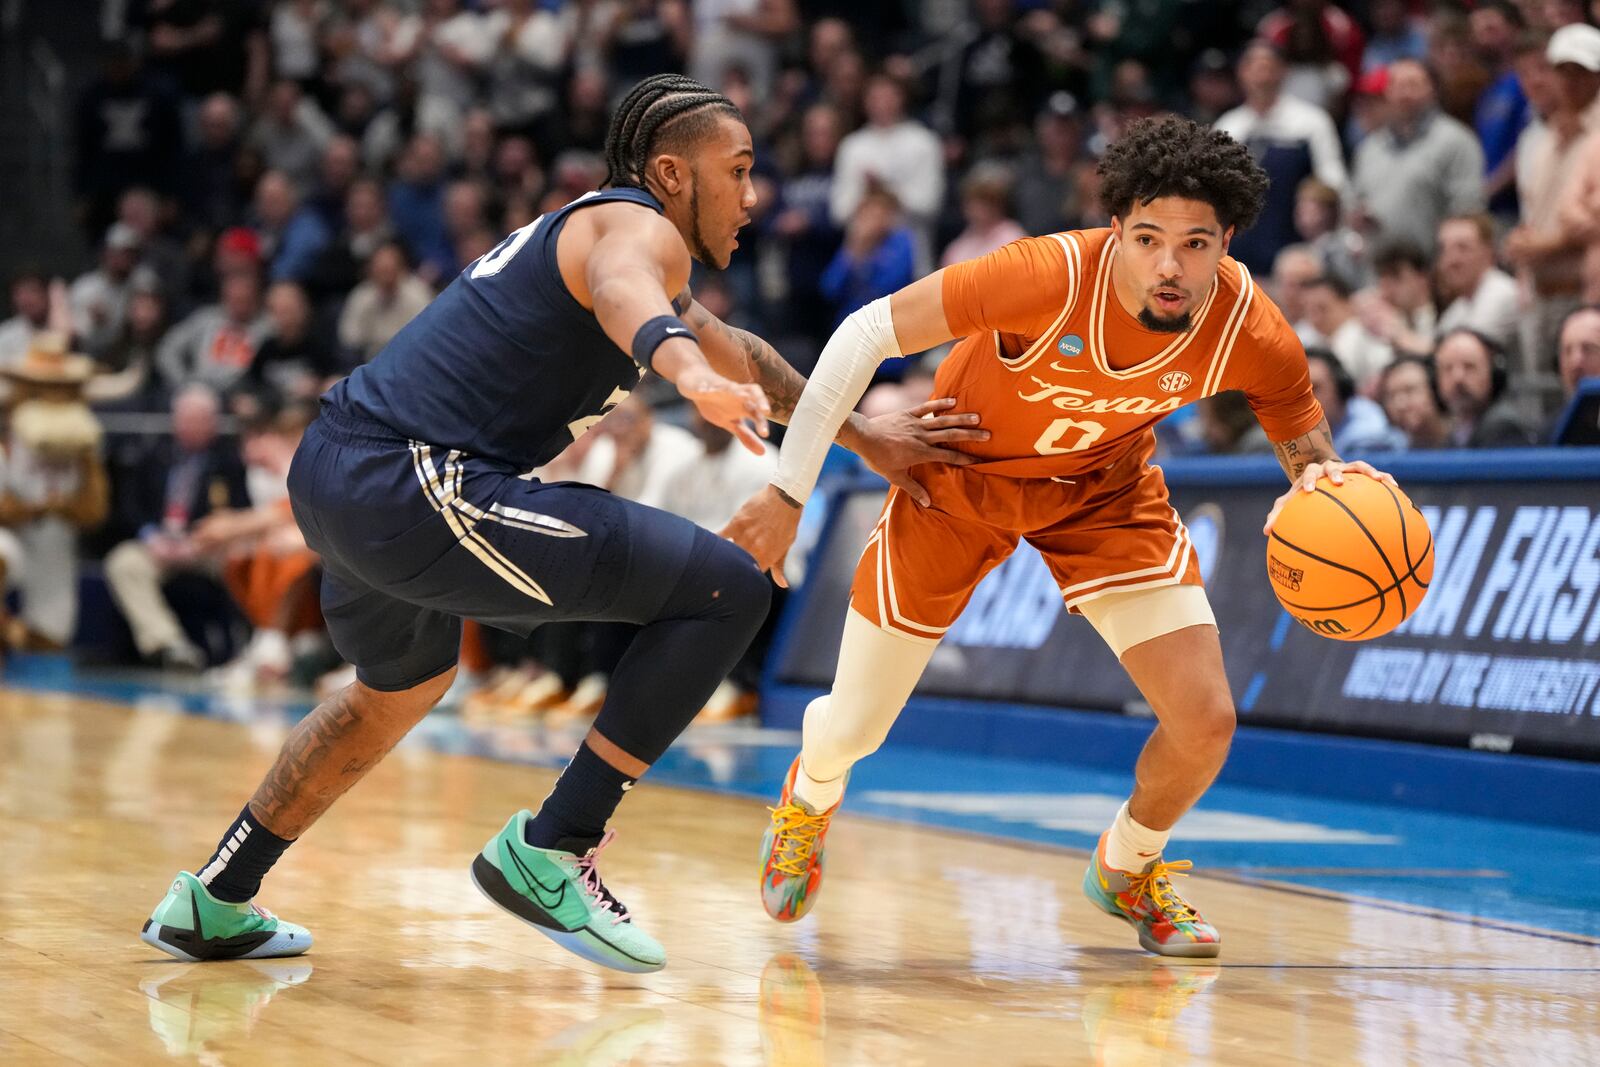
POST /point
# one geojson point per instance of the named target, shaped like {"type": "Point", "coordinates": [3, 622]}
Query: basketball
{"type": "Point", "coordinates": [1350, 561]}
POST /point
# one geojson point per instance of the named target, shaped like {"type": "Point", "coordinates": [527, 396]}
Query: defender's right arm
{"type": "Point", "coordinates": [630, 271]}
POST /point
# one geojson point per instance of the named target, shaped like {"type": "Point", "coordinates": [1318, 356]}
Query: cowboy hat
{"type": "Point", "coordinates": [49, 363]}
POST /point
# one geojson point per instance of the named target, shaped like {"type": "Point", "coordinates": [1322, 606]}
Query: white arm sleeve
{"type": "Point", "coordinates": [862, 341]}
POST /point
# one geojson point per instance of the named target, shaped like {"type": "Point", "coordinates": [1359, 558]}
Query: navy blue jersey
{"type": "Point", "coordinates": [505, 364]}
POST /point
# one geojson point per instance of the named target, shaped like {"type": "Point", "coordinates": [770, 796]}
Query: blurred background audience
{"type": "Point", "coordinates": [266, 191]}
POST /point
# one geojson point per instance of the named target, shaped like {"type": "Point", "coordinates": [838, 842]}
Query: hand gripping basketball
{"type": "Point", "coordinates": [1334, 470]}
{"type": "Point", "coordinates": [1348, 558]}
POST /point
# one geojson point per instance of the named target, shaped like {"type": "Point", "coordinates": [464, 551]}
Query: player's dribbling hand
{"type": "Point", "coordinates": [740, 409]}
{"type": "Point", "coordinates": [764, 527]}
{"type": "Point", "coordinates": [898, 441]}
{"type": "Point", "coordinates": [1334, 470]}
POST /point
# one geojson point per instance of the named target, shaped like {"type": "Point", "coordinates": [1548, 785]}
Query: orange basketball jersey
{"type": "Point", "coordinates": [1044, 337]}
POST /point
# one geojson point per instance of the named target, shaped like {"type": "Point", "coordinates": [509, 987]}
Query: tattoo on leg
{"type": "Point", "coordinates": [309, 775]}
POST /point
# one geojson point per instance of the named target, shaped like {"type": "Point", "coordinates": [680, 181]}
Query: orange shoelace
{"type": "Point", "coordinates": [796, 831]}
{"type": "Point", "coordinates": [1156, 883]}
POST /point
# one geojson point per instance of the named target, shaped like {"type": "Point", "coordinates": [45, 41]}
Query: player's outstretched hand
{"type": "Point", "coordinates": [764, 527]}
{"type": "Point", "coordinates": [740, 409]}
{"type": "Point", "coordinates": [1334, 470]}
{"type": "Point", "coordinates": [898, 441]}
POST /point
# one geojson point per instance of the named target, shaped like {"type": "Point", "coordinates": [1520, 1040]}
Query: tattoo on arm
{"type": "Point", "coordinates": [1296, 455]}
{"type": "Point", "coordinates": [766, 368]}
{"type": "Point", "coordinates": [781, 382]}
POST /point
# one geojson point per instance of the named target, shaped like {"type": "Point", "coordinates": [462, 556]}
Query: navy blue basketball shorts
{"type": "Point", "coordinates": [415, 538]}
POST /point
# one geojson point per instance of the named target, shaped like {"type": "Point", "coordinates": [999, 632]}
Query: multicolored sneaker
{"type": "Point", "coordinates": [792, 854]}
{"type": "Point", "coordinates": [1167, 924]}
{"type": "Point", "coordinates": [193, 925]}
{"type": "Point", "coordinates": [559, 893]}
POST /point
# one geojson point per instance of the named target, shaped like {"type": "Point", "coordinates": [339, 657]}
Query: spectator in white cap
{"type": "Point", "coordinates": [99, 298]}
{"type": "Point", "coordinates": [1575, 54]}
{"type": "Point", "coordinates": [1549, 246]}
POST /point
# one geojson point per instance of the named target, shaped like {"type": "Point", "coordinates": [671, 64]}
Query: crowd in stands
{"type": "Point", "coordinates": [275, 187]}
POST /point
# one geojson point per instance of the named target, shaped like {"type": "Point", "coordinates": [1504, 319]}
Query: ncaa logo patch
{"type": "Point", "coordinates": [1174, 381]}
{"type": "Point", "coordinates": [1070, 345]}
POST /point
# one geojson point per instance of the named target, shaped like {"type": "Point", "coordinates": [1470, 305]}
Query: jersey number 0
{"type": "Point", "coordinates": [1087, 433]}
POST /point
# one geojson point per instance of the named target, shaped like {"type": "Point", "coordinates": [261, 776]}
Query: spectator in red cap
{"type": "Point", "coordinates": [1366, 106]}
{"type": "Point", "coordinates": [238, 249]}
{"type": "Point", "coordinates": [1420, 165]}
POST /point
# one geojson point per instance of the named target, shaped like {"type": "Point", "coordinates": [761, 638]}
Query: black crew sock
{"type": "Point", "coordinates": [573, 817]}
{"type": "Point", "coordinates": [243, 857]}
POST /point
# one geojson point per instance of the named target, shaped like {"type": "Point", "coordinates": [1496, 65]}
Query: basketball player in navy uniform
{"type": "Point", "coordinates": [408, 487]}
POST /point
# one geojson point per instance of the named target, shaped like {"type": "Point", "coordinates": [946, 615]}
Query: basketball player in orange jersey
{"type": "Point", "coordinates": [1073, 346]}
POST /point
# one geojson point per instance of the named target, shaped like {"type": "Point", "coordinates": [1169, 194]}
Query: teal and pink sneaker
{"type": "Point", "coordinates": [1167, 924]}
{"type": "Point", "coordinates": [559, 893]}
{"type": "Point", "coordinates": [792, 854]}
{"type": "Point", "coordinates": [193, 925]}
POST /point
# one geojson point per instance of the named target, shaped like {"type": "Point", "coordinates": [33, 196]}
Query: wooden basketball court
{"type": "Point", "coordinates": [928, 947]}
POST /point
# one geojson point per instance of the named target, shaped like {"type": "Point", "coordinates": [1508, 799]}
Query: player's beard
{"type": "Point", "coordinates": [1157, 323]}
{"type": "Point", "coordinates": [697, 241]}
{"type": "Point", "coordinates": [1163, 324]}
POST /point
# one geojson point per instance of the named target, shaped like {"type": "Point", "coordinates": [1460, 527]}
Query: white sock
{"type": "Point", "coordinates": [1132, 846]}
{"type": "Point", "coordinates": [819, 796]}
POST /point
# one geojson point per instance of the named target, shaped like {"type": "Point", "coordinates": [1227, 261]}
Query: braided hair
{"type": "Point", "coordinates": [649, 108]}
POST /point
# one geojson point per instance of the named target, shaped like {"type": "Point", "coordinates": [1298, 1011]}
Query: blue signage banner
{"type": "Point", "coordinates": [1503, 654]}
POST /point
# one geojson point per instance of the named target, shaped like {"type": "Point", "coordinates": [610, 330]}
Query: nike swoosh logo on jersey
{"type": "Point", "coordinates": [1068, 370]}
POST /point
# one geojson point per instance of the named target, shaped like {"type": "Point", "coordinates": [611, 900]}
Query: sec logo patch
{"type": "Point", "coordinates": [1070, 345]}
{"type": "Point", "coordinates": [1174, 381]}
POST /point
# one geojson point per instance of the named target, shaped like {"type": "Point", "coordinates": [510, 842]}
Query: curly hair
{"type": "Point", "coordinates": [1175, 157]}
{"type": "Point", "coordinates": [640, 124]}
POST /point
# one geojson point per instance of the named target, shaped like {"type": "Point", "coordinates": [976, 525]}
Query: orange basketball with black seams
{"type": "Point", "coordinates": [1350, 561]}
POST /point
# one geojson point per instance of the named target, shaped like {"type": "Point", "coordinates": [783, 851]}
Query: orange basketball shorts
{"type": "Point", "coordinates": [1108, 531]}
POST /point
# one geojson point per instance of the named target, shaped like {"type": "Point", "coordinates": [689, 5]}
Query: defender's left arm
{"type": "Point", "coordinates": [742, 356]}
{"type": "Point", "coordinates": [1311, 456]}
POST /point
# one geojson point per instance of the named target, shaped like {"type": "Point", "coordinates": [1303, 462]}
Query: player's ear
{"type": "Point", "coordinates": [1116, 227]}
{"type": "Point", "coordinates": [671, 173]}
{"type": "Point", "coordinates": [1227, 236]}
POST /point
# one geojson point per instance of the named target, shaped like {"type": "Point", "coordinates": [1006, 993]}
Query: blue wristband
{"type": "Point", "coordinates": [653, 333]}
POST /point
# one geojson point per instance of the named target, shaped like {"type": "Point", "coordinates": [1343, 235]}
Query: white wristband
{"type": "Point", "coordinates": [862, 341]}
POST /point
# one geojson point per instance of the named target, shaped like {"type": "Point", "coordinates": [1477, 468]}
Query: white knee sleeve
{"type": "Point", "coordinates": [1131, 618]}
{"type": "Point", "coordinates": [877, 672]}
